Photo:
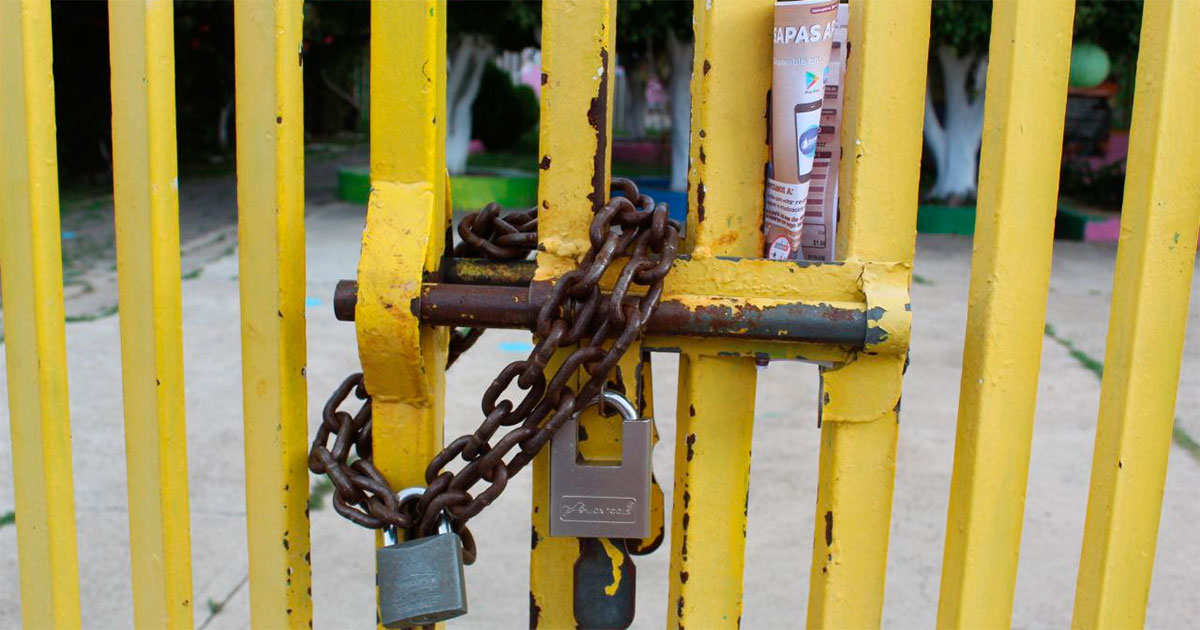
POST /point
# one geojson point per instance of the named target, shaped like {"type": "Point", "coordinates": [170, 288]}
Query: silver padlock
{"type": "Point", "coordinates": [602, 500]}
{"type": "Point", "coordinates": [420, 581]}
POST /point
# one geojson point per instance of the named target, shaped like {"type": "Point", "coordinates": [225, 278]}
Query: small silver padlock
{"type": "Point", "coordinates": [420, 581]}
{"type": "Point", "coordinates": [602, 500]}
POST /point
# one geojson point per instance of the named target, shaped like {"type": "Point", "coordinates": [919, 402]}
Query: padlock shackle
{"type": "Point", "coordinates": [624, 407]}
{"type": "Point", "coordinates": [391, 536]}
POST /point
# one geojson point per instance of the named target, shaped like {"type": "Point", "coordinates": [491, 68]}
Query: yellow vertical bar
{"type": "Point", "coordinates": [578, 59]}
{"type": "Point", "coordinates": [270, 162]}
{"type": "Point", "coordinates": [1014, 235]}
{"type": "Point", "coordinates": [715, 416]}
{"type": "Point", "coordinates": [31, 264]}
{"type": "Point", "coordinates": [881, 155]}
{"type": "Point", "coordinates": [1160, 219]}
{"type": "Point", "coordinates": [712, 479]}
{"type": "Point", "coordinates": [403, 362]}
{"type": "Point", "coordinates": [146, 200]}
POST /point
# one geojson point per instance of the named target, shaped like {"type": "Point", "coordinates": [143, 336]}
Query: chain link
{"type": "Point", "coordinates": [575, 314]}
{"type": "Point", "coordinates": [488, 234]}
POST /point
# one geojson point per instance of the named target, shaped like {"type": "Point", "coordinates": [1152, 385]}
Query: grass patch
{"type": "Point", "coordinates": [8, 518]}
{"type": "Point", "coordinates": [215, 607]}
{"type": "Point", "coordinates": [1180, 436]}
{"type": "Point", "coordinates": [193, 274]}
{"type": "Point", "coordinates": [1186, 442]}
{"type": "Point", "coordinates": [1090, 363]}
{"type": "Point", "coordinates": [91, 317]}
{"type": "Point", "coordinates": [919, 279]}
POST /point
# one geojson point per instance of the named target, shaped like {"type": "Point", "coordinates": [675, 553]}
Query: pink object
{"type": "Point", "coordinates": [1107, 231]}
{"type": "Point", "coordinates": [476, 146]}
{"type": "Point", "coordinates": [531, 75]}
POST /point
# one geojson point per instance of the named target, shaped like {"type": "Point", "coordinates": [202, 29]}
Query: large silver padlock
{"type": "Point", "coordinates": [602, 500]}
{"type": "Point", "coordinates": [420, 581]}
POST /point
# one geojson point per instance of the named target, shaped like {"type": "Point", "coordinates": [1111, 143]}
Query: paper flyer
{"type": "Point", "coordinates": [819, 232]}
{"type": "Point", "coordinates": [802, 43]}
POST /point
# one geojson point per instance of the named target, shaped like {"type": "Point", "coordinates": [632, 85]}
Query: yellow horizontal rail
{"type": "Point", "coordinates": [31, 266]}
{"type": "Point", "coordinates": [146, 202]}
{"type": "Point", "coordinates": [1160, 219]}
{"type": "Point", "coordinates": [270, 110]}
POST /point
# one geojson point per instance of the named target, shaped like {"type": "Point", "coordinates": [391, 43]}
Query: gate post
{"type": "Point", "coordinates": [881, 149]}
{"type": "Point", "coordinates": [35, 344]}
{"type": "Point", "coordinates": [1014, 237]}
{"type": "Point", "coordinates": [404, 361]}
{"type": "Point", "coordinates": [1156, 257]}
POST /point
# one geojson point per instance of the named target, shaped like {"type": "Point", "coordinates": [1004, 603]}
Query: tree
{"type": "Point", "coordinates": [475, 28]}
{"type": "Point", "coordinates": [645, 30]}
{"type": "Point", "coordinates": [959, 33]}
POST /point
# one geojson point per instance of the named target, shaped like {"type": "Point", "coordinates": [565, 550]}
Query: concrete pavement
{"type": "Point", "coordinates": [783, 477]}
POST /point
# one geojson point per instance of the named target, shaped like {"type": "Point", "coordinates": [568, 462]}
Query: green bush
{"type": "Point", "coordinates": [503, 112]}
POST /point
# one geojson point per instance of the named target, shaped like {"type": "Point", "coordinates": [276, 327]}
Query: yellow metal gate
{"type": "Point", "coordinates": [405, 237]}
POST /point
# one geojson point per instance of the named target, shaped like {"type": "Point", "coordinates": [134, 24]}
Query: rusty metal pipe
{"type": "Point", "coordinates": [511, 307]}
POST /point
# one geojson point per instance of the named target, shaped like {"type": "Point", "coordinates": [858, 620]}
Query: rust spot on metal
{"type": "Point", "coordinates": [640, 384]}
{"type": "Point", "coordinates": [679, 609]}
{"type": "Point", "coordinates": [545, 78]}
{"type": "Point", "coordinates": [702, 134]}
{"type": "Point", "coordinates": [828, 528]}
{"type": "Point", "coordinates": [700, 197]}
{"type": "Point", "coordinates": [707, 66]}
{"type": "Point", "coordinates": [767, 119]}
{"type": "Point", "coordinates": [692, 410]}
{"type": "Point", "coordinates": [683, 576]}
{"type": "Point", "coordinates": [618, 382]}
{"type": "Point", "coordinates": [687, 499]}
{"type": "Point", "coordinates": [545, 163]}
{"type": "Point", "coordinates": [535, 611]}
{"type": "Point", "coordinates": [534, 538]}
{"type": "Point", "coordinates": [597, 115]}
{"type": "Point", "coordinates": [1120, 464]}
{"type": "Point", "coordinates": [691, 441]}
{"type": "Point", "coordinates": [687, 518]}
{"type": "Point", "coordinates": [703, 158]}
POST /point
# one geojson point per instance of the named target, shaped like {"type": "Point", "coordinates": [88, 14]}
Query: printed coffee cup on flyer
{"type": "Point", "coordinates": [803, 36]}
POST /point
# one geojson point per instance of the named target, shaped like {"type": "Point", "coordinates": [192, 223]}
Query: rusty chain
{"type": "Point", "coordinates": [488, 234]}
{"type": "Point", "coordinates": [574, 313]}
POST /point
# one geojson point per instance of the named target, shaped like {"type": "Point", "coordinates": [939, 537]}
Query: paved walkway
{"type": "Point", "coordinates": [783, 475]}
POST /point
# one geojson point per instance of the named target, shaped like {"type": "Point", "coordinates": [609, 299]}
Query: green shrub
{"type": "Point", "coordinates": [503, 112]}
